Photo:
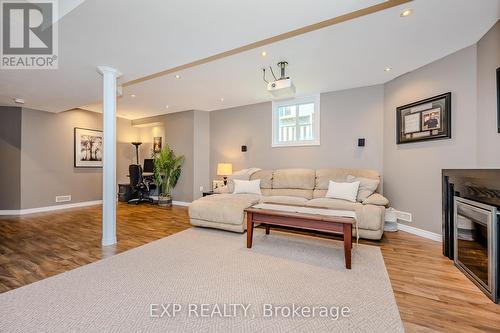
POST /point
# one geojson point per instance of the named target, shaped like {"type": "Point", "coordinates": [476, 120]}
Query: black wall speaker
{"type": "Point", "coordinates": [243, 148]}
{"type": "Point", "coordinates": [361, 142]}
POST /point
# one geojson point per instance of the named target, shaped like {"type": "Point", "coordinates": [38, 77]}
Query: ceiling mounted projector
{"type": "Point", "coordinates": [280, 88]}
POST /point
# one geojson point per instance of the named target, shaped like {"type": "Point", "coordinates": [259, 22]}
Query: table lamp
{"type": "Point", "coordinates": [224, 170]}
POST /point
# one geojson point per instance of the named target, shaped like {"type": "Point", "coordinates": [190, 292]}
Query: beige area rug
{"type": "Point", "coordinates": [285, 283]}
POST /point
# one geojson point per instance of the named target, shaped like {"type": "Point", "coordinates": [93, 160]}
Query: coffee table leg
{"type": "Point", "coordinates": [347, 244]}
{"type": "Point", "coordinates": [267, 229]}
{"type": "Point", "coordinates": [249, 229]}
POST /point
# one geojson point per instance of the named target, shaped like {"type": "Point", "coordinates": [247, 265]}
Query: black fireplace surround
{"type": "Point", "coordinates": [475, 185]}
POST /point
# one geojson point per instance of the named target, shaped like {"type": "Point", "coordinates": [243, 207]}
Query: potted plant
{"type": "Point", "coordinates": [167, 170]}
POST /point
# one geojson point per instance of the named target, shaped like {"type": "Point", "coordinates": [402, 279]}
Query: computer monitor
{"type": "Point", "coordinates": [148, 165]}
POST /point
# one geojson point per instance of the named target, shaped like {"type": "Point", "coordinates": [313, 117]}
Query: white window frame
{"type": "Point", "coordinates": [316, 125]}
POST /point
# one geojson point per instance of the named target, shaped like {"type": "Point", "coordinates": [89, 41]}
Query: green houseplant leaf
{"type": "Point", "coordinates": [167, 170]}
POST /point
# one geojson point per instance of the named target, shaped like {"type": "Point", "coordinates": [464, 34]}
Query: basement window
{"type": "Point", "coordinates": [296, 122]}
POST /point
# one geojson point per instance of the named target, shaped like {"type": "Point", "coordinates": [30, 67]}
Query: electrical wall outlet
{"type": "Point", "coordinates": [404, 216]}
{"type": "Point", "coordinates": [63, 198]}
{"type": "Point", "coordinates": [201, 188]}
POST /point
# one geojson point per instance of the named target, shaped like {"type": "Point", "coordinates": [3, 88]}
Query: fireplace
{"type": "Point", "coordinates": [476, 237]}
{"type": "Point", "coordinates": [471, 202]}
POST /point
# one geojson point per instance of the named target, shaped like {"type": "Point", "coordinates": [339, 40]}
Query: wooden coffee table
{"type": "Point", "coordinates": [316, 222]}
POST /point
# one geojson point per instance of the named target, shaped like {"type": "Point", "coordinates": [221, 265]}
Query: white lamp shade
{"type": "Point", "coordinates": [224, 169]}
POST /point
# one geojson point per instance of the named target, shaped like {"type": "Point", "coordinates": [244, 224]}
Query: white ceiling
{"type": "Point", "coordinates": [145, 40]}
{"type": "Point", "coordinates": [144, 37]}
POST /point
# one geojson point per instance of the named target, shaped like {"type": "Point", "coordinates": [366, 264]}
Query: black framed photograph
{"type": "Point", "coordinates": [498, 99]}
{"type": "Point", "coordinates": [428, 119]}
{"type": "Point", "coordinates": [87, 148]}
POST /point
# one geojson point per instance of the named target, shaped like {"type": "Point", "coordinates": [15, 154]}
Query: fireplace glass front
{"type": "Point", "coordinates": [475, 237]}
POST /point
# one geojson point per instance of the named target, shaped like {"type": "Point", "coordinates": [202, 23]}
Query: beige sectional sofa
{"type": "Point", "coordinates": [305, 187]}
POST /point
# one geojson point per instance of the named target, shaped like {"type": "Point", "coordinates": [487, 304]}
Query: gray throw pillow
{"type": "Point", "coordinates": [367, 186]}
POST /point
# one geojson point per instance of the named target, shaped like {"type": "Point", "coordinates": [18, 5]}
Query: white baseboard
{"type": "Point", "coordinates": [419, 232]}
{"type": "Point", "coordinates": [180, 203]}
{"type": "Point", "coordinates": [66, 206]}
{"type": "Point", "coordinates": [49, 208]}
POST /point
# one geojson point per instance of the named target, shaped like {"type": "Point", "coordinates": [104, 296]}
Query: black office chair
{"type": "Point", "coordinates": [138, 186]}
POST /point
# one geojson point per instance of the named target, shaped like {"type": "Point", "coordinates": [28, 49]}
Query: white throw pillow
{"type": "Point", "coordinates": [344, 191]}
{"type": "Point", "coordinates": [247, 186]}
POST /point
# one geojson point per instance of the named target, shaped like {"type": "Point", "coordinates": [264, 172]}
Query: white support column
{"type": "Point", "coordinates": [109, 155]}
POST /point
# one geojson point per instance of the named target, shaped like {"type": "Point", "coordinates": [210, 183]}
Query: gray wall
{"type": "Point", "coordinates": [10, 157]}
{"type": "Point", "coordinates": [179, 135]}
{"type": "Point", "coordinates": [47, 157]}
{"type": "Point", "coordinates": [412, 172]}
{"type": "Point", "coordinates": [201, 153]}
{"type": "Point", "coordinates": [488, 60]}
{"type": "Point", "coordinates": [345, 116]}
{"type": "Point", "coordinates": [177, 130]}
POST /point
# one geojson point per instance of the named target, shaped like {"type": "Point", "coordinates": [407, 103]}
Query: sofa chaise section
{"type": "Point", "coordinates": [222, 211]}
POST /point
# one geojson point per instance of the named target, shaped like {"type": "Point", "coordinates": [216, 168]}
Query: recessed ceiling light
{"type": "Point", "coordinates": [387, 69]}
{"type": "Point", "coordinates": [406, 12]}
{"type": "Point", "coordinates": [263, 53]}
{"type": "Point", "coordinates": [133, 96]}
{"type": "Point", "coordinates": [177, 76]}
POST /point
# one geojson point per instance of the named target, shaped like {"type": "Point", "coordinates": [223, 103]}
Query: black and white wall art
{"type": "Point", "coordinates": [87, 148]}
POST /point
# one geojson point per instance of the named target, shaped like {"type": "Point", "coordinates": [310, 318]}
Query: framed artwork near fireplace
{"type": "Point", "coordinates": [498, 99]}
{"type": "Point", "coordinates": [428, 119]}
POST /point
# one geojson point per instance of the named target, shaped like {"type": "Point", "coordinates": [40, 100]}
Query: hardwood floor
{"type": "Point", "coordinates": [432, 295]}
{"type": "Point", "coordinates": [36, 246]}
